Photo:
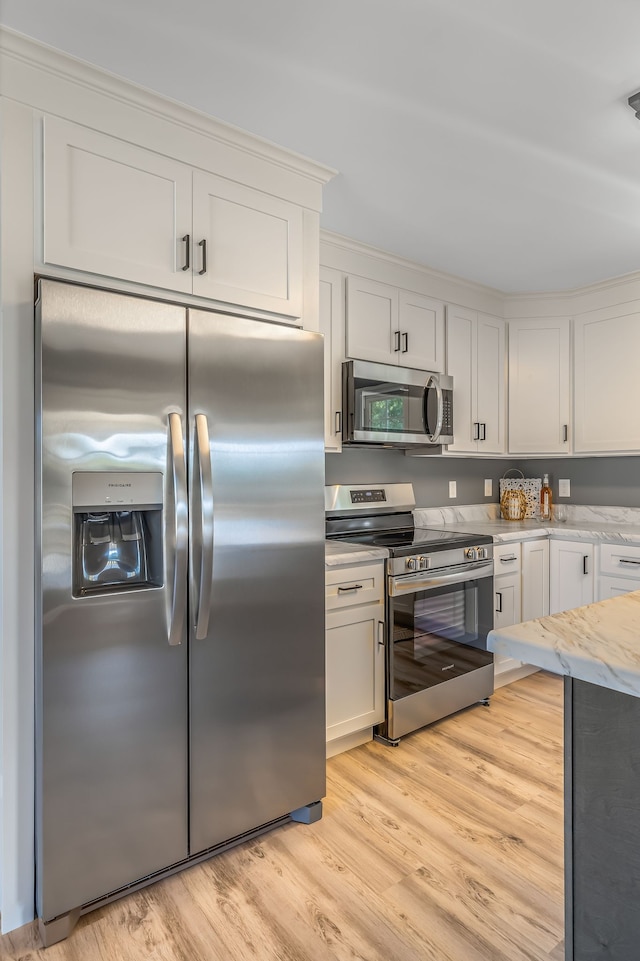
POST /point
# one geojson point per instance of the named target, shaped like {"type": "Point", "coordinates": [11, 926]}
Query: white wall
{"type": "Point", "coordinates": [16, 514]}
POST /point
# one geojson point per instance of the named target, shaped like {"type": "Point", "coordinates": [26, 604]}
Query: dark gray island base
{"type": "Point", "coordinates": [597, 649]}
{"type": "Point", "coordinates": [602, 823]}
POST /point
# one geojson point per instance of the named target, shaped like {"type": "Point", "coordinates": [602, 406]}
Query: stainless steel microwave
{"type": "Point", "coordinates": [384, 405]}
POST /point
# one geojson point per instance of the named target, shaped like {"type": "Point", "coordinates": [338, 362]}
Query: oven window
{"type": "Point", "coordinates": [439, 634]}
{"type": "Point", "coordinates": [389, 408]}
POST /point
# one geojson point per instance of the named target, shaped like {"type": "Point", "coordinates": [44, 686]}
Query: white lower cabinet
{"type": "Point", "coordinates": [618, 570]}
{"type": "Point", "coordinates": [535, 579]}
{"type": "Point", "coordinates": [354, 654]}
{"type": "Point", "coordinates": [507, 559]}
{"type": "Point", "coordinates": [571, 565]}
{"type": "Point", "coordinates": [521, 592]}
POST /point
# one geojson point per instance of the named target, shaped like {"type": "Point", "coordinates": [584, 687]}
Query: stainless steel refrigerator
{"type": "Point", "coordinates": [180, 654]}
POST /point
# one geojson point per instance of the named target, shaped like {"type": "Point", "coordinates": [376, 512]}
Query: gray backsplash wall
{"type": "Point", "coordinates": [430, 476]}
{"type": "Point", "coordinates": [608, 481]}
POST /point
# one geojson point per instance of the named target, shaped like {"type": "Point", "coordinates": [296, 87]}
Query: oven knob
{"type": "Point", "coordinates": [411, 564]}
{"type": "Point", "coordinates": [483, 553]}
{"type": "Point", "coordinates": [423, 563]}
{"type": "Point", "coordinates": [471, 553]}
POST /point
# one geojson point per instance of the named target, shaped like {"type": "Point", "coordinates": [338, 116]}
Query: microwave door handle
{"type": "Point", "coordinates": [177, 601]}
{"type": "Point", "coordinates": [432, 383]}
{"type": "Point", "coordinates": [203, 450]}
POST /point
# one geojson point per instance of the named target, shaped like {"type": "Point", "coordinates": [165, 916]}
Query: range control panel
{"type": "Point", "coordinates": [377, 496]}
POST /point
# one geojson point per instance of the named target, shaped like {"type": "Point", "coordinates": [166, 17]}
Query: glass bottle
{"type": "Point", "coordinates": [545, 499]}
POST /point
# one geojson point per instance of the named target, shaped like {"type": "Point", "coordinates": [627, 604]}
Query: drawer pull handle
{"type": "Point", "coordinates": [625, 560]}
{"type": "Point", "coordinates": [506, 560]}
{"type": "Point", "coordinates": [347, 590]}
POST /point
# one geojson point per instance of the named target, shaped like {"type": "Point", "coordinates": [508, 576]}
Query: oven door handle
{"type": "Point", "coordinates": [409, 584]}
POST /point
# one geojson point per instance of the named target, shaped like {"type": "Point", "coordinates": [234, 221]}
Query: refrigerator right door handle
{"type": "Point", "coordinates": [206, 526]}
{"type": "Point", "coordinates": [179, 600]}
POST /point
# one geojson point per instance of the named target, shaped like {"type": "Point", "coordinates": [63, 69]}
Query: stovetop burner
{"type": "Point", "coordinates": [404, 542]}
{"type": "Point", "coordinates": [384, 521]}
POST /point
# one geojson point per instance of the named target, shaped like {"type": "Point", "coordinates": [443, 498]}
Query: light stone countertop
{"type": "Point", "coordinates": [338, 552]}
{"type": "Point", "coordinates": [589, 524]}
{"type": "Point", "coordinates": [599, 643]}
{"type": "Point", "coordinates": [584, 523]}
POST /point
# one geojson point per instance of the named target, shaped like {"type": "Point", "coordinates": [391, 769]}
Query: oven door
{"type": "Point", "coordinates": [438, 626]}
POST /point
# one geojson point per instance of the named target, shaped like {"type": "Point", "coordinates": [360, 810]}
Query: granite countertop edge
{"type": "Point", "coordinates": [337, 553]}
{"type": "Point", "coordinates": [598, 643]}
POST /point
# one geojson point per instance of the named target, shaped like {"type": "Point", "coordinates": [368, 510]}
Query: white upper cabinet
{"type": "Point", "coordinates": [421, 325]}
{"type": "Point", "coordinates": [332, 326]}
{"type": "Point", "coordinates": [606, 382]}
{"type": "Point", "coordinates": [119, 210]}
{"type": "Point", "coordinates": [114, 209]}
{"type": "Point", "coordinates": [247, 246]}
{"type": "Point", "coordinates": [393, 326]}
{"type": "Point", "coordinates": [539, 398]}
{"type": "Point", "coordinates": [476, 361]}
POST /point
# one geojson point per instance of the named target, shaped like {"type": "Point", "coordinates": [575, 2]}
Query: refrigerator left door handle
{"type": "Point", "coordinates": [178, 601]}
{"type": "Point", "coordinates": [206, 526]}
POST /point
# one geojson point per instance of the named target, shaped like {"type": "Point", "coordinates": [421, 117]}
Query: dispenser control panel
{"type": "Point", "coordinates": [115, 490]}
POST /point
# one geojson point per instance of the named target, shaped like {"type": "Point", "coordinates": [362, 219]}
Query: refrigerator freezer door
{"type": "Point", "coordinates": [112, 715]}
{"type": "Point", "coordinates": [257, 676]}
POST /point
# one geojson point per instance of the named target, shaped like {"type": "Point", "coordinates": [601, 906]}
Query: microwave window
{"type": "Point", "coordinates": [390, 408]}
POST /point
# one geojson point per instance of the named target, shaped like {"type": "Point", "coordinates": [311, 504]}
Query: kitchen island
{"type": "Point", "coordinates": [597, 650]}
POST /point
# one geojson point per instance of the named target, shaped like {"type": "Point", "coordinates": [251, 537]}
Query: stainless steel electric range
{"type": "Point", "coordinates": [439, 605]}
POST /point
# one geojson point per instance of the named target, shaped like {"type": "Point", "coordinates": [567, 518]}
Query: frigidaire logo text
{"type": "Point", "coordinates": [118, 485]}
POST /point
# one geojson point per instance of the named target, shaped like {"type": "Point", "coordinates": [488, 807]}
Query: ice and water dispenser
{"type": "Point", "coordinates": [117, 531]}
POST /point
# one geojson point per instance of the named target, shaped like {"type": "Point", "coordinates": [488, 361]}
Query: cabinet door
{"type": "Point", "coordinates": [506, 612]}
{"type": "Point", "coordinates": [607, 389]}
{"type": "Point", "coordinates": [355, 669]}
{"type": "Point", "coordinates": [332, 326]}
{"type": "Point", "coordinates": [372, 321]}
{"type": "Point", "coordinates": [421, 324]}
{"type": "Point", "coordinates": [539, 402]}
{"type": "Point", "coordinates": [570, 576]}
{"type": "Point", "coordinates": [491, 383]}
{"type": "Point", "coordinates": [507, 600]}
{"type": "Point", "coordinates": [535, 579]}
{"type": "Point", "coordinates": [247, 246]}
{"type": "Point", "coordinates": [461, 365]}
{"type": "Point", "coordinates": [114, 209]}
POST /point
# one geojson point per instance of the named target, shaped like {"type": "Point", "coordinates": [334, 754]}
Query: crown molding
{"type": "Point", "coordinates": [19, 49]}
{"type": "Point", "coordinates": [571, 293]}
{"type": "Point", "coordinates": [359, 247]}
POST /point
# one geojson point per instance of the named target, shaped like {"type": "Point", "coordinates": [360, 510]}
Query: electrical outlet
{"type": "Point", "coordinates": [488, 487]}
{"type": "Point", "coordinates": [564, 488]}
{"type": "Point", "coordinates": [453, 489]}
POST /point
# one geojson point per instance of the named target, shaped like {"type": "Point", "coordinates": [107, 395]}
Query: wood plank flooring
{"type": "Point", "coordinates": [447, 848]}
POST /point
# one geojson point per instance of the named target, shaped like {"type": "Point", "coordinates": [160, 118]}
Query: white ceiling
{"type": "Point", "coordinates": [488, 138]}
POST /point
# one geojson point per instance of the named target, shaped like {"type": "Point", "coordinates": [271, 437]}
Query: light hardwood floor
{"type": "Point", "coordinates": [447, 848]}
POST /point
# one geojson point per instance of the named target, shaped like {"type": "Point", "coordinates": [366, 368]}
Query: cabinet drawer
{"type": "Point", "coordinates": [349, 586]}
{"type": "Point", "coordinates": [620, 559]}
{"type": "Point", "coordinates": [609, 586]}
{"type": "Point", "coordinates": [507, 558]}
